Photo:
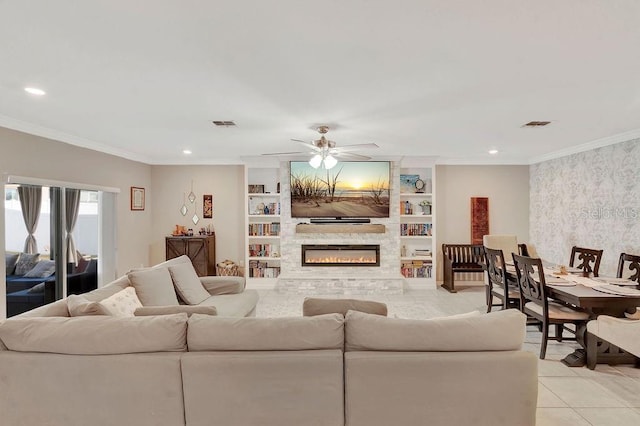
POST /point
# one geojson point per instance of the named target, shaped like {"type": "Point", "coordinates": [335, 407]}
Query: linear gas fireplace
{"type": "Point", "coordinates": [340, 255]}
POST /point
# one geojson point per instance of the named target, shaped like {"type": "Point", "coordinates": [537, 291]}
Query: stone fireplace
{"type": "Point", "coordinates": [340, 255]}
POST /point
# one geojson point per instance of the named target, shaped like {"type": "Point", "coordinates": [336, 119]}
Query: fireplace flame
{"type": "Point", "coordinates": [341, 259]}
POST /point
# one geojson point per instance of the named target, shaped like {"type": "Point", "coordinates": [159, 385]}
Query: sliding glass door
{"type": "Point", "coordinates": [52, 243]}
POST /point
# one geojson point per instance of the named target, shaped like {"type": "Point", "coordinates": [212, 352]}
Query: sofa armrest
{"type": "Point", "coordinates": [223, 285]}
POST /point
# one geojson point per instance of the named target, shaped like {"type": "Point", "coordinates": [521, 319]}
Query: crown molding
{"type": "Point", "coordinates": [598, 143]}
{"type": "Point", "coordinates": [46, 132]}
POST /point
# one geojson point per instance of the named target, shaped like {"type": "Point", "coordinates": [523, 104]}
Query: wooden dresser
{"type": "Point", "coordinates": [200, 249]}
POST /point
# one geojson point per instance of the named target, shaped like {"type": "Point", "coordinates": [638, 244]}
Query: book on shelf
{"type": "Point", "coordinates": [416, 229]}
{"type": "Point", "coordinates": [264, 229]}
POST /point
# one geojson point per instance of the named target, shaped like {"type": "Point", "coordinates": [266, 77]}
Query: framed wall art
{"type": "Point", "coordinates": [479, 219]}
{"type": "Point", "coordinates": [207, 206]}
{"type": "Point", "coordinates": [137, 198]}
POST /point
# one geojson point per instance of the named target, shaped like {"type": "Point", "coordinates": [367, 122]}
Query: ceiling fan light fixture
{"type": "Point", "coordinates": [315, 161]}
{"type": "Point", "coordinates": [330, 162]}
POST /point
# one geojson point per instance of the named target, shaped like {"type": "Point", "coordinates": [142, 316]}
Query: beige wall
{"type": "Point", "coordinates": [37, 157]}
{"type": "Point", "coordinates": [225, 183]}
{"type": "Point", "coordinates": [507, 188]}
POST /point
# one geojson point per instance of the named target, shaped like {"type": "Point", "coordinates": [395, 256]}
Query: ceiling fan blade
{"type": "Point", "coordinates": [350, 155]}
{"type": "Point", "coordinates": [357, 147]}
{"type": "Point", "coordinates": [286, 153]}
{"type": "Point", "coordinates": [309, 145]}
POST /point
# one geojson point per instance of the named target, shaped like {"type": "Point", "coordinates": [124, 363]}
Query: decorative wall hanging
{"type": "Point", "coordinates": [195, 217]}
{"type": "Point", "coordinates": [207, 206]}
{"type": "Point", "coordinates": [137, 198]}
{"type": "Point", "coordinates": [479, 219]}
{"type": "Point", "coordinates": [192, 195]}
{"type": "Point", "coordinates": [184, 209]}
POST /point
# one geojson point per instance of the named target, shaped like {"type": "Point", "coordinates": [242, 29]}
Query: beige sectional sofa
{"type": "Point", "coordinates": [329, 369]}
{"type": "Point", "coordinates": [227, 295]}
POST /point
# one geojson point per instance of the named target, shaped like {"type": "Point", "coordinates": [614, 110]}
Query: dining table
{"type": "Point", "coordinates": [579, 289]}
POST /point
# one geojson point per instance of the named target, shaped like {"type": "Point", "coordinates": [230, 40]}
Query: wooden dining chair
{"type": "Point", "coordinates": [633, 264]}
{"type": "Point", "coordinates": [535, 303]}
{"type": "Point", "coordinates": [500, 284]}
{"type": "Point", "coordinates": [590, 259]}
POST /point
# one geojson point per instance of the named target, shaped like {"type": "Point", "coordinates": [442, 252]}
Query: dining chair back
{"type": "Point", "coordinates": [500, 284]}
{"type": "Point", "coordinates": [534, 302]}
{"type": "Point", "coordinates": [632, 264]}
{"type": "Point", "coordinates": [589, 259]}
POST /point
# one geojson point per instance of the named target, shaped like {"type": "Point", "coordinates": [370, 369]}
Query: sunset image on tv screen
{"type": "Point", "coordinates": [350, 189]}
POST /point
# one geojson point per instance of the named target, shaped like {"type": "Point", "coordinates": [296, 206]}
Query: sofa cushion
{"type": "Point", "coordinates": [26, 262]}
{"type": "Point", "coordinates": [154, 287]}
{"type": "Point", "coordinates": [496, 331]}
{"type": "Point", "coordinates": [95, 335]}
{"type": "Point", "coordinates": [207, 333]}
{"type": "Point", "coordinates": [122, 304]}
{"type": "Point", "coordinates": [38, 288]}
{"type": "Point", "coordinates": [319, 306]}
{"type": "Point", "coordinates": [187, 284]}
{"type": "Point", "coordinates": [223, 285]}
{"type": "Point", "coordinates": [234, 305]}
{"type": "Point", "coordinates": [43, 269]}
{"type": "Point", "coordinates": [166, 310]}
{"type": "Point", "coordinates": [81, 306]}
{"type": "Point", "coordinates": [10, 260]}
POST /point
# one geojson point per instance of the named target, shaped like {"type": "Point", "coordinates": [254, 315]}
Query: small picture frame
{"type": "Point", "coordinates": [137, 198]}
{"type": "Point", "coordinates": [207, 206]}
{"type": "Point", "coordinates": [256, 189]}
{"type": "Point", "coordinates": [408, 183]}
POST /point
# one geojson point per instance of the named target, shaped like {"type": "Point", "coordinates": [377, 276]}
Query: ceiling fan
{"type": "Point", "coordinates": [325, 151]}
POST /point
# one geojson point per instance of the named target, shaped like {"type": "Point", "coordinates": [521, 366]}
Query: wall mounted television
{"type": "Point", "coordinates": [351, 189]}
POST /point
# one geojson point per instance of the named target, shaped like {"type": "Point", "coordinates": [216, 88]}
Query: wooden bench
{"type": "Point", "coordinates": [461, 258]}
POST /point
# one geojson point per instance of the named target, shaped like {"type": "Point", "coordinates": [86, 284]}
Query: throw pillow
{"type": "Point", "coordinates": [10, 260]}
{"type": "Point", "coordinates": [80, 306]}
{"type": "Point", "coordinates": [154, 287]}
{"type": "Point", "coordinates": [26, 262]}
{"type": "Point", "coordinates": [318, 306]}
{"type": "Point", "coordinates": [38, 288]}
{"type": "Point", "coordinates": [43, 269]}
{"type": "Point", "coordinates": [122, 304]}
{"type": "Point", "coordinates": [187, 284]}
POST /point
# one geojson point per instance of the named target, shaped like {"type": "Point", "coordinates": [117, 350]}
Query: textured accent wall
{"type": "Point", "coordinates": [590, 199]}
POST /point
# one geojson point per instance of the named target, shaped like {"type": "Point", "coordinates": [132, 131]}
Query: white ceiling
{"type": "Point", "coordinates": [144, 79]}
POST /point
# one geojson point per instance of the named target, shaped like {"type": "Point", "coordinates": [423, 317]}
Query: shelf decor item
{"type": "Point", "coordinates": [408, 183]}
{"type": "Point", "coordinates": [256, 189]}
{"type": "Point", "coordinates": [419, 186]}
{"type": "Point", "coordinates": [207, 206]}
{"type": "Point", "coordinates": [137, 198]}
{"type": "Point", "coordinates": [425, 205]}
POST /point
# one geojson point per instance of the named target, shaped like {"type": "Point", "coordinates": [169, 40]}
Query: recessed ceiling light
{"type": "Point", "coordinates": [186, 151]}
{"type": "Point", "coordinates": [35, 91]}
{"type": "Point", "coordinates": [493, 151]}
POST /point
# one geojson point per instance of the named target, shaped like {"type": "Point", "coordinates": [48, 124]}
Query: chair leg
{"type": "Point", "coordinates": [592, 350]}
{"type": "Point", "coordinates": [559, 331]}
{"type": "Point", "coordinates": [489, 298]}
{"type": "Point", "coordinates": [543, 344]}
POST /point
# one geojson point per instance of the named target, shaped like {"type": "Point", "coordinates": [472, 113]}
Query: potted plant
{"type": "Point", "coordinates": [426, 206]}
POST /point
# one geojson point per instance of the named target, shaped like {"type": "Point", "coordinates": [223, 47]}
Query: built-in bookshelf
{"type": "Point", "coordinates": [417, 232]}
{"type": "Point", "coordinates": [263, 225]}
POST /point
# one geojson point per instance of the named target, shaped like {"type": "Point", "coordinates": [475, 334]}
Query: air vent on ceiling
{"type": "Point", "coordinates": [224, 123]}
{"type": "Point", "coordinates": [536, 124]}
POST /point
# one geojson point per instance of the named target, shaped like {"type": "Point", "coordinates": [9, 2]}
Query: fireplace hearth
{"type": "Point", "coordinates": [340, 255]}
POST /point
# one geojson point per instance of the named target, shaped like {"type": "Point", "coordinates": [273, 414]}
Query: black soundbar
{"type": "Point", "coordinates": [323, 220]}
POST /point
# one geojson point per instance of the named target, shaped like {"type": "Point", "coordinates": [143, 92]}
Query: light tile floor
{"type": "Point", "coordinates": [566, 396]}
